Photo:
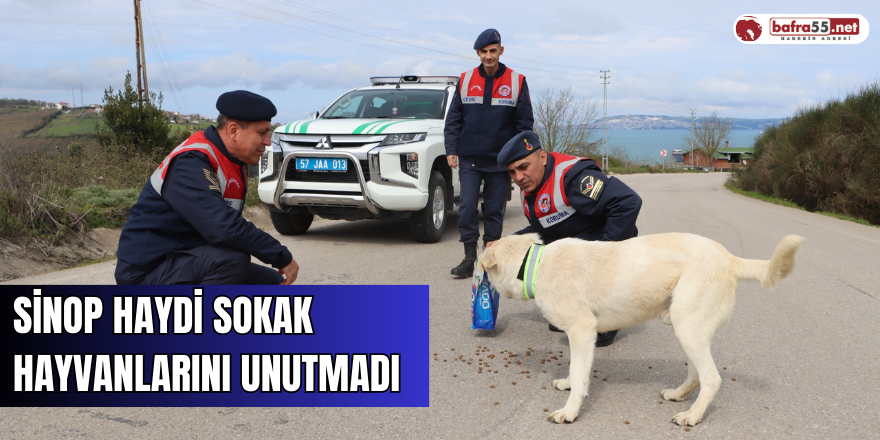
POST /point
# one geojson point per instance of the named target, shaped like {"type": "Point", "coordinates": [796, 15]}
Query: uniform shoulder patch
{"type": "Point", "coordinates": [591, 186]}
{"type": "Point", "coordinates": [213, 181]}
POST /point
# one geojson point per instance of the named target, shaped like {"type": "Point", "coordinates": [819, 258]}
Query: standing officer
{"type": "Point", "coordinates": [567, 196]}
{"type": "Point", "coordinates": [491, 104]}
{"type": "Point", "coordinates": [186, 227]}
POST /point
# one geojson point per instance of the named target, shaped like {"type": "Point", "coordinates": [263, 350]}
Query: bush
{"type": "Point", "coordinates": [46, 192]}
{"type": "Point", "coordinates": [133, 125]}
{"type": "Point", "coordinates": [826, 158]}
{"type": "Point", "coordinates": [75, 150]}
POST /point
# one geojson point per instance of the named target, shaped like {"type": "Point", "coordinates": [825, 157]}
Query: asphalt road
{"type": "Point", "coordinates": [804, 356]}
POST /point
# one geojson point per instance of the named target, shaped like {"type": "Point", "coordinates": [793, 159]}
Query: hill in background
{"type": "Point", "coordinates": [654, 122]}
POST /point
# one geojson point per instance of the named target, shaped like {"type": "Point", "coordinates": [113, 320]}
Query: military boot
{"type": "Point", "coordinates": [466, 268]}
{"type": "Point", "coordinates": [605, 339]}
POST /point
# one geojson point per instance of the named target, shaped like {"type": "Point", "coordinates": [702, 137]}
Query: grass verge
{"type": "Point", "coordinates": [731, 185]}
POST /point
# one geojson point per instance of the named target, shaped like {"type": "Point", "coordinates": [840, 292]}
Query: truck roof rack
{"type": "Point", "coordinates": [413, 79]}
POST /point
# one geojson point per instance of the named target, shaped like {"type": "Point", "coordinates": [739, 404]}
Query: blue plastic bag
{"type": "Point", "coordinates": [484, 300]}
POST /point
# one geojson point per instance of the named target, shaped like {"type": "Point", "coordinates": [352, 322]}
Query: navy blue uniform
{"type": "Point", "coordinates": [190, 235]}
{"type": "Point", "coordinates": [476, 133]}
{"type": "Point", "coordinates": [610, 217]}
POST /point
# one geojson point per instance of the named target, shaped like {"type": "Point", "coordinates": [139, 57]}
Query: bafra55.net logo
{"type": "Point", "coordinates": [801, 29]}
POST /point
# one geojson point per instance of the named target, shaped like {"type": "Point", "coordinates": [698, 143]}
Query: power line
{"type": "Point", "coordinates": [419, 37]}
{"type": "Point", "coordinates": [627, 88]}
{"type": "Point", "coordinates": [279, 12]}
{"type": "Point", "coordinates": [172, 78]}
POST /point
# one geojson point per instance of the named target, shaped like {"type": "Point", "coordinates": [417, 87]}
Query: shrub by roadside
{"type": "Point", "coordinates": [45, 194]}
{"type": "Point", "coordinates": [826, 158]}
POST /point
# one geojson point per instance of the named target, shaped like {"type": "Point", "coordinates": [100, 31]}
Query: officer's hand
{"type": "Point", "coordinates": [289, 272]}
{"type": "Point", "coordinates": [452, 160]}
{"type": "Point", "coordinates": [490, 243]}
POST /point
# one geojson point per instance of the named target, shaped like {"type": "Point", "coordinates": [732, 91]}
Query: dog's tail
{"type": "Point", "coordinates": [769, 272]}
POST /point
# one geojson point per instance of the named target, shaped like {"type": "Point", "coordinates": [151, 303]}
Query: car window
{"type": "Point", "coordinates": [346, 107]}
{"type": "Point", "coordinates": [391, 104]}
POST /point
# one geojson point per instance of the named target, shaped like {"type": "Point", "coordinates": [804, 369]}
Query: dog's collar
{"type": "Point", "coordinates": [528, 271]}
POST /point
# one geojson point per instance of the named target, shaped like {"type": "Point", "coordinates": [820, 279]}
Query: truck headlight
{"type": "Point", "coordinates": [402, 138]}
{"type": "Point", "coordinates": [271, 160]}
{"type": "Point", "coordinates": [264, 161]}
{"type": "Point", "coordinates": [409, 164]}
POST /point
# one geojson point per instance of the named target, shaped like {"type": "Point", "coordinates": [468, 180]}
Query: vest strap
{"type": "Point", "coordinates": [529, 270]}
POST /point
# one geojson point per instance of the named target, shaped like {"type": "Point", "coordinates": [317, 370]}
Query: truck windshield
{"type": "Point", "coordinates": [389, 104]}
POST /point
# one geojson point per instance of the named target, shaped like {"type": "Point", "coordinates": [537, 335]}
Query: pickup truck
{"type": "Point", "coordinates": [376, 152]}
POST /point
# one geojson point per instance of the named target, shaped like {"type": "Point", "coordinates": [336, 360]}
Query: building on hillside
{"type": "Point", "coordinates": [61, 105]}
{"type": "Point", "coordinates": [725, 159]}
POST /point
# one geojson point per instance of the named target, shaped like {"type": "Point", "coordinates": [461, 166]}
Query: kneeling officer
{"type": "Point", "coordinates": [566, 196]}
{"type": "Point", "coordinates": [186, 227]}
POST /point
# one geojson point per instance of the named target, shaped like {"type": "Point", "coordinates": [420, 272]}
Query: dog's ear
{"type": "Point", "coordinates": [536, 238]}
{"type": "Point", "coordinates": [488, 258]}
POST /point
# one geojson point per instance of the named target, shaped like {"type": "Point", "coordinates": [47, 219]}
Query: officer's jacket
{"type": "Point", "coordinates": [486, 112]}
{"type": "Point", "coordinates": [195, 198]}
{"type": "Point", "coordinates": [576, 199]}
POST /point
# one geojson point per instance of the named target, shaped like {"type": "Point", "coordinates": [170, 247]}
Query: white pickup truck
{"type": "Point", "coordinates": [376, 153]}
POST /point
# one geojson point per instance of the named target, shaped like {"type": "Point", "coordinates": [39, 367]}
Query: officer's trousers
{"type": "Point", "coordinates": [496, 186]}
{"type": "Point", "coordinates": [203, 265]}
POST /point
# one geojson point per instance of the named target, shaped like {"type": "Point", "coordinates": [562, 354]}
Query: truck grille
{"type": "Point", "coordinates": [348, 176]}
{"type": "Point", "coordinates": [336, 144]}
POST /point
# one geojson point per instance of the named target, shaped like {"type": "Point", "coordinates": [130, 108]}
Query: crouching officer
{"type": "Point", "coordinates": [567, 196]}
{"type": "Point", "coordinates": [186, 227]}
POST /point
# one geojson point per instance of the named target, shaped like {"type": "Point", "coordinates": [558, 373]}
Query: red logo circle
{"type": "Point", "coordinates": [748, 28]}
{"type": "Point", "coordinates": [544, 202]}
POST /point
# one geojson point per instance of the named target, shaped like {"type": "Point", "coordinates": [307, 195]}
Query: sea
{"type": "Point", "coordinates": [646, 144]}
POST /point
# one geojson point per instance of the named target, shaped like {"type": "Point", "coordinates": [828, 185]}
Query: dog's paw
{"type": "Point", "coordinates": [562, 416]}
{"type": "Point", "coordinates": [687, 418]}
{"type": "Point", "coordinates": [671, 394]}
{"type": "Point", "coordinates": [561, 384]}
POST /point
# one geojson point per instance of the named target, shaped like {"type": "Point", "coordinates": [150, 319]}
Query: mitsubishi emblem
{"type": "Point", "coordinates": [324, 143]}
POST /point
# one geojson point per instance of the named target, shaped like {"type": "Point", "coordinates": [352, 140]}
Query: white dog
{"type": "Point", "coordinates": [585, 287]}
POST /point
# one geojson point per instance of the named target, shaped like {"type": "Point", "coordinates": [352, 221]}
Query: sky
{"type": "Point", "coordinates": [665, 58]}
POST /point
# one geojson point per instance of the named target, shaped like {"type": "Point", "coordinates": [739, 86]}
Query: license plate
{"type": "Point", "coordinates": [321, 164]}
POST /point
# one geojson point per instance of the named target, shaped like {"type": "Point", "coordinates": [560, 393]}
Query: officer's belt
{"type": "Point", "coordinates": [528, 271]}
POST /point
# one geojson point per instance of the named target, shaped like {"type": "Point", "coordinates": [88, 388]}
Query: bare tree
{"type": "Point", "coordinates": [707, 134]}
{"type": "Point", "coordinates": [563, 122]}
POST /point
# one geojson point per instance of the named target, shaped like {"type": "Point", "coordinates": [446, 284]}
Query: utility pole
{"type": "Point", "coordinates": [142, 88]}
{"type": "Point", "coordinates": [693, 151]}
{"type": "Point", "coordinates": [82, 102]}
{"type": "Point", "coordinates": [605, 119]}
{"type": "Point", "coordinates": [72, 98]}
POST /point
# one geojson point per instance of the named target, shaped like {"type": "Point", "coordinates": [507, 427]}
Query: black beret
{"type": "Point", "coordinates": [489, 36]}
{"type": "Point", "coordinates": [246, 106]}
{"type": "Point", "coordinates": [519, 147]}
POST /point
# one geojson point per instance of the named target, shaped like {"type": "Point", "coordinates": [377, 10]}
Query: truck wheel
{"type": "Point", "coordinates": [427, 224]}
{"type": "Point", "coordinates": [291, 224]}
